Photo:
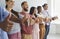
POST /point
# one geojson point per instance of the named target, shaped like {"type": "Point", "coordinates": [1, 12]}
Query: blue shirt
{"type": "Point", "coordinates": [3, 14]}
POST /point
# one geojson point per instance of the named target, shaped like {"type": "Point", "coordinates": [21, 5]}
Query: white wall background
{"type": "Point", "coordinates": [54, 27]}
{"type": "Point", "coordinates": [17, 6]}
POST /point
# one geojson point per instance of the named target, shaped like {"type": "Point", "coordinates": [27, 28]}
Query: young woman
{"type": "Point", "coordinates": [35, 33]}
{"type": "Point", "coordinates": [15, 31]}
{"type": "Point", "coordinates": [42, 24]}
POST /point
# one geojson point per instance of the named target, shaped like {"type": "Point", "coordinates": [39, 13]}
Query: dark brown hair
{"type": "Point", "coordinates": [23, 3]}
{"type": "Point", "coordinates": [6, 1]}
{"type": "Point", "coordinates": [32, 10]}
{"type": "Point", "coordinates": [44, 5]}
{"type": "Point", "coordinates": [38, 7]}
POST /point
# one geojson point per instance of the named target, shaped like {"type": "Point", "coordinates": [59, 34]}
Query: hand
{"type": "Point", "coordinates": [6, 25]}
{"type": "Point", "coordinates": [47, 19]}
{"type": "Point", "coordinates": [37, 20]}
{"type": "Point", "coordinates": [54, 18]}
{"type": "Point", "coordinates": [32, 21]}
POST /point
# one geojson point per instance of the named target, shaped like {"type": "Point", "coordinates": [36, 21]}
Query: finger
{"type": "Point", "coordinates": [9, 22]}
{"type": "Point", "coordinates": [9, 26]}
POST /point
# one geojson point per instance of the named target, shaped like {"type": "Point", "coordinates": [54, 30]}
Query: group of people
{"type": "Point", "coordinates": [24, 25]}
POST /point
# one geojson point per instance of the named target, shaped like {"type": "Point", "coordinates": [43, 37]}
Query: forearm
{"type": "Point", "coordinates": [15, 19]}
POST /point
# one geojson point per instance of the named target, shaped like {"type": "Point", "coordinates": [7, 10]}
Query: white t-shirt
{"type": "Point", "coordinates": [41, 15]}
{"type": "Point", "coordinates": [46, 14]}
{"type": "Point", "coordinates": [16, 28]}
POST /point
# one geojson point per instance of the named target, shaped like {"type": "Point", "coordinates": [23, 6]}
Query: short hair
{"type": "Point", "coordinates": [44, 5]}
{"type": "Point", "coordinates": [38, 7]}
{"type": "Point", "coordinates": [6, 0]}
{"type": "Point", "coordinates": [23, 2]}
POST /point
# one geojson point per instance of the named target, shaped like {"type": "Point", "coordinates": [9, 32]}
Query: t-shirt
{"type": "Point", "coordinates": [3, 14]}
{"type": "Point", "coordinates": [16, 28]}
{"type": "Point", "coordinates": [25, 29]}
{"type": "Point", "coordinates": [42, 16]}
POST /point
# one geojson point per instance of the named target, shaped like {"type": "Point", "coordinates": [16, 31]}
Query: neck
{"type": "Point", "coordinates": [23, 10]}
{"type": "Point", "coordinates": [9, 9]}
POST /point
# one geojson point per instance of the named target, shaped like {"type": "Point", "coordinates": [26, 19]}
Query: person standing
{"type": "Point", "coordinates": [42, 23]}
{"type": "Point", "coordinates": [35, 33]}
{"type": "Point", "coordinates": [47, 20]}
{"type": "Point", "coordinates": [26, 28]}
{"type": "Point", "coordinates": [15, 32]}
{"type": "Point", "coordinates": [5, 23]}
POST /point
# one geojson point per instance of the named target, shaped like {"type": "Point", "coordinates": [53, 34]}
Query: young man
{"type": "Point", "coordinates": [47, 20]}
{"type": "Point", "coordinates": [26, 28]}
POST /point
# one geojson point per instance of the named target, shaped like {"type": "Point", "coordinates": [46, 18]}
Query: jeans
{"type": "Point", "coordinates": [47, 27]}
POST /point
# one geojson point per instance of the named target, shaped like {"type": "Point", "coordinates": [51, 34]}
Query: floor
{"type": "Point", "coordinates": [55, 36]}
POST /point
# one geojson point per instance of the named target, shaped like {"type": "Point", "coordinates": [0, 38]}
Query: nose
{"type": "Point", "coordinates": [12, 3]}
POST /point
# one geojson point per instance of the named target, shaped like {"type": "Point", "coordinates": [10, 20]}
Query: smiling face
{"type": "Point", "coordinates": [10, 3]}
{"type": "Point", "coordinates": [46, 7]}
{"type": "Point", "coordinates": [39, 9]}
{"type": "Point", "coordinates": [25, 6]}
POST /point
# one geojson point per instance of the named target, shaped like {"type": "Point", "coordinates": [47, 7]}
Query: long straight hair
{"type": "Point", "coordinates": [32, 10]}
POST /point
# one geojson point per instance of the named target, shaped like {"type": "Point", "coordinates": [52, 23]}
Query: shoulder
{"type": "Point", "coordinates": [3, 11]}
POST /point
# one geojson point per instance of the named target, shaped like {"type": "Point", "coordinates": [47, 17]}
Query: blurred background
{"type": "Point", "coordinates": [54, 10]}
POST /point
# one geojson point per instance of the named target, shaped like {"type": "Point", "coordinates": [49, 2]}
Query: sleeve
{"type": "Point", "coordinates": [3, 14]}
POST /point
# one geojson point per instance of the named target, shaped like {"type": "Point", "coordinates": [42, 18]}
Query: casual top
{"type": "Point", "coordinates": [46, 14]}
{"type": "Point", "coordinates": [41, 15]}
{"type": "Point", "coordinates": [36, 26]}
{"type": "Point", "coordinates": [24, 28]}
{"type": "Point", "coordinates": [3, 14]}
{"type": "Point", "coordinates": [16, 28]}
